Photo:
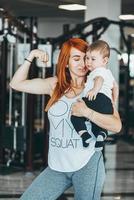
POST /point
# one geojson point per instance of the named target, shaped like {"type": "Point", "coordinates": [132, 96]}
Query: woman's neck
{"type": "Point", "coordinates": [77, 83]}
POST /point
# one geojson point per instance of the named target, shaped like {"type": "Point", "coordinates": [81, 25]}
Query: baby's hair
{"type": "Point", "coordinates": [100, 46]}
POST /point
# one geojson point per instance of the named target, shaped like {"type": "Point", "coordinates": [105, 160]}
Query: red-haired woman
{"type": "Point", "coordinates": [69, 164]}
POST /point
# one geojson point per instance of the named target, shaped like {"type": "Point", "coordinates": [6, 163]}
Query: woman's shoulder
{"type": "Point", "coordinates": [53, 81]}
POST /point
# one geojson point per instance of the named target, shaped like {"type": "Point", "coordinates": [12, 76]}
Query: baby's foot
{"type": "Point", "coordinates": [86, 137]}
{"type": "Point", "coordinates": [100, 141]}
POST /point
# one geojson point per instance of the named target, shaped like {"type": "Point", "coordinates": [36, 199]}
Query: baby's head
{"type": "Point", "coordinates": [97, 55]}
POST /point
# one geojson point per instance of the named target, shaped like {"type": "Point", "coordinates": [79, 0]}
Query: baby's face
{"type": "Point", "coordinates": [94, 60]}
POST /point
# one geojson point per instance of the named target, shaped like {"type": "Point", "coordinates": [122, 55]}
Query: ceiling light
{"type": "Point", "coordinates": [118, 197]}
{"type": "Point", "coordinates": [72, 7]}
{"type": "Point", "coordinates": [2, 9]}
{"type": "Point", "coordinates": [132, 35]}
{"type": "Point", "coordinates": [126, 17]}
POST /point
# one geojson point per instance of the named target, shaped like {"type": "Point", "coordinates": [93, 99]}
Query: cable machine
{"type": "Point", "coordinates": [15, 134]}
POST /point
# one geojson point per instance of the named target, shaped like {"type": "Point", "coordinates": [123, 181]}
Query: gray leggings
{"type": "Point", "coordinates": [87, 182]}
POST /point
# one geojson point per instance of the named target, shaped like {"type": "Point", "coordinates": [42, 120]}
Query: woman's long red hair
{"type": "Point", "coordinates": [63, 75]}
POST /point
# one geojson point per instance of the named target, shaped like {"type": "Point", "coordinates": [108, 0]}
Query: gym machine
{"type": "Point", "coordinates": [13, 128]}
{"type": "Point", "coordinates": [11, 139]}
{"type": "Point", "coordinates": [22, 129]}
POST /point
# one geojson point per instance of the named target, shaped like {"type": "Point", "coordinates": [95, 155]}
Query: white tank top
{"type": "Point", "coordinates": [66, 152]}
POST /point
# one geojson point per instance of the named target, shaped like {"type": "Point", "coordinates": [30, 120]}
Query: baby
{"type": "Point", "coordinates": [101, 90]}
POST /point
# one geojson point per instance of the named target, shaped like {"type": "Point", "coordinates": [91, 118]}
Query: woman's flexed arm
{"type": "Point", "coordinates": [35, 86]}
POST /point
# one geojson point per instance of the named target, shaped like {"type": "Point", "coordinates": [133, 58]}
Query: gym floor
{"type": "Point", "coordinates": [119, 184]}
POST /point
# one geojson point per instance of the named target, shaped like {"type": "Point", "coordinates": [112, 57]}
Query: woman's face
{"type": "Point", "coordinates": [76, 63]}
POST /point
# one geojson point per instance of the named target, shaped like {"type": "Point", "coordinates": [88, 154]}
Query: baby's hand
{"type": "Point", "coordinates": [91, 95]}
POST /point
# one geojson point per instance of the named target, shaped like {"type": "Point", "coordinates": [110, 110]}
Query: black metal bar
{"type": "Point", "coordinates": [103, 21]}
{"type": "Point", "coordinates": [31, 109]}
{"type": "Point", "coordinates": [126, 124]}
{"type": "Point", "coordinates": [48, 73]}
{"type": "Point", "coordinates": [3, 86]}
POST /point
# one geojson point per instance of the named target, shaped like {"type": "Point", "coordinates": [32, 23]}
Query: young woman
{"type": "Point", "coordinates": [69, 164]}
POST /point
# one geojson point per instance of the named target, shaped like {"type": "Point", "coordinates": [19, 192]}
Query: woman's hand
{"type": "Point", "coordinates": [39, 54]}
{"type": "Point", "coordinates": [79, 108]}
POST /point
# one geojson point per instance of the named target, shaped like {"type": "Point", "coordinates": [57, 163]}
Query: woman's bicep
{"type": "Point", "coordinates": [35, 86]}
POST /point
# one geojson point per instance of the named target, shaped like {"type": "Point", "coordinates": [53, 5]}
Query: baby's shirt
{"type": "Point", "coordinates": [107, 86]}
